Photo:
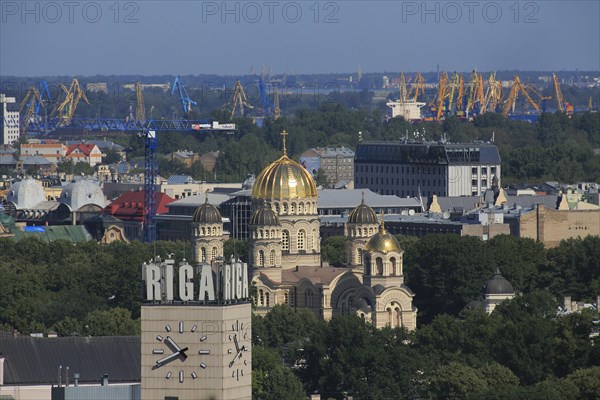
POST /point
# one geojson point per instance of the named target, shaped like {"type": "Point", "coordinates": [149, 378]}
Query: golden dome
{"type": "Point", "coordinates": [362, 214]}
{"type": "Point", "coordinates": [284, 179]}
{"type": "Point", "coordinates": [383, 242]}
{"type": "Point", "coordinates": [207, 214]}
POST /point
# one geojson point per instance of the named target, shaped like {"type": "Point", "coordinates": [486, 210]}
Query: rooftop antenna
{"type": "Point", "coordinates": [493, 136]}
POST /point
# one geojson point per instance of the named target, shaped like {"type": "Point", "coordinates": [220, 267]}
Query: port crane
{"type": "Point", "coordinates": [510, 102]}
{"type": "Point", "coordinates": [184, 98]}
{"type": "Point", "coordinates": [493, 94]}
{"type": "Point", "coordinates": [239, 100]}
{"type": "Point", "coordinates": [32, 103]}
{"type": "Point", "coordinates": [561, 104]}
{"type": "Point", "coordinates": [65, 108]}
{"type": "Point", "coordinates": [417, 88]}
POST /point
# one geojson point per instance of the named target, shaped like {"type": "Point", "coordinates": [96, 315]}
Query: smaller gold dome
{"type": "Point", "coordinates": [362, 214]}
{"type": "Point", "coordinates": [264, 216]}
{"type": "Point", "coordinates": [383, 242]}
{"type": "Point", "coordinates": [207, 214]}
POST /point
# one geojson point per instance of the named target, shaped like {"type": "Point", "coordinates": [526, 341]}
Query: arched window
{"type": "Point", "coordinates": [261, 258]}
{"type": "Point", "coordinates": [308, 298]}
{"type": "Point", "coordinates": [301, 239]}
{"type": "Point", "coordinates": [261, 298]}
{"type": "Point", "coordinates": [267, 299]}
{"type": "Point", "coordinates": [272, 258]}
{"type": "Point", "coordinates": [285, 298]}
{"type": "Point", "coordinates": [214, 253]}
{"type": "Point", "coordinates": [203, 231]}
{"type": "Point", "coordinates": [314, 241]}
{"type": "Point", "coordinates": [285, 240]}
{"type": "Point", "coordinates": [214, 231]}
{"type": "Point", "coordinates": [301, 208]}
{"type": "Point", "coordinates": [292, 208]}
{"type": "Point", "coordinates": [359, 255]}
{"type": "Point", "coordinates": [393, 265]}
{"type": "Point", "coordinates": [379, 263]}
{"type": "Point", "coordinates": [203, 254]}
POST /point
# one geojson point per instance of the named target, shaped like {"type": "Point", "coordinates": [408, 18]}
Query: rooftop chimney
{"type": "Point", "coordinates": [104, 380]}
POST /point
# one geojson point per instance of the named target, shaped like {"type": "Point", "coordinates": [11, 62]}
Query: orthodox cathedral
{"type": "Point", "coordinates": [285, 255]}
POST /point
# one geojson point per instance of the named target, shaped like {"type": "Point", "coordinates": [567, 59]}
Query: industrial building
{"type": "Point", "coordinates": [423, 169]}
{"type": "Point", "coordinates": [337, 164]}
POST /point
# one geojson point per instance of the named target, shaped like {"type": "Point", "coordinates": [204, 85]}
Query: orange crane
{"type": "Point", "coordinates": [461, 95]}
{"type": "Point", "coordinates": [510, 102]}
{"type": "Point", "coordinates": [441, 95]}
{"type": "Point", "coordinates": [561, 104]}
{"type": "Point", "coordinates": [454, 84]}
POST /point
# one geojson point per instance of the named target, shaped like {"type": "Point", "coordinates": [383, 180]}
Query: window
{"type": "Point", "coordinates": [379, 262]}
{"type": "Point", "coordinates": [474, 182]}
{"type": "Point", "coordinates": [483, 170]}
{"type": "Point", "coordinates": [261, 258]}
{"type": "Point", "coordinates": [214, 253]}
{"type": "Point", "coordinates": [474, 170]}
{"type": "Point", "coordinates": [203, 256]}
{"type": "Point", "coordinates": [285, 240]}
{"type": "Point", "coordinates": [493, 170]}
{"type": "Point", "coordinates": [360, 256]}
{"type": "Point", "coordinates": [483, 183]}
{"type": "Point", "coordinates": [301, 239]}
{"type": "Point", "coordinates": [308, 298]}
{"type": "Point", "coordinates": [272, 258]}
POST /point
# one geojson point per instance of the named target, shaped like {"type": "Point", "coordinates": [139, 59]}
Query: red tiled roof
{"type": "Point", "coordinates": [84, 148]}
{"type": "Point", "coordinates": [130, 206]}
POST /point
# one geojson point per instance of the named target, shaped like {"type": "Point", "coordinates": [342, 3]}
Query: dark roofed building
{"type": "Point", "coordinates": [420, 168]}
{"type": "Point", "coordinates": [31, 365]}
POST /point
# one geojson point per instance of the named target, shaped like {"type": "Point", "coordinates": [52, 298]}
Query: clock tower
{"type": "Point", "coordinates": [196, 338]}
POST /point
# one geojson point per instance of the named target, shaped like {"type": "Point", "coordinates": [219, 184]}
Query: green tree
{"type": "Point", "coordinates": [333, 249]}
{"type": "Point", "coordinates": [112, 322]}
{"type": "Point", "coordinates": [271, 380]}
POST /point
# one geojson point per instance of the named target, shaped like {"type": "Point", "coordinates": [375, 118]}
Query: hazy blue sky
{"type": "Point", "coordinates": [193, 37]}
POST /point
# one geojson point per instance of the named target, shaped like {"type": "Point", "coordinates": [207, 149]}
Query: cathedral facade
{"type": "Point", "coordinates": [284, 253]}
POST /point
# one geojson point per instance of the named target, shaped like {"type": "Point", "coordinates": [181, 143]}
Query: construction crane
{"type": "Point", "coordinates": [475, 94]}
{"type": "Point", "coordinates": [267, 105]}
{"type": "Point", "coordinates": [460, 98]}
{"type": "Point", "coordinates": [140, 111]}
{"type": "Point", "coordinates": [277, 109]}
{"type": "Point", "coordinates": [66, 108]}
{"type": "Point", "coordinates": [454, 85]}
{"type": "Point", "coordinates": [403, 91]}
{"type": "Point", "coordinates": [184, 98]}
{"type": "Point", "coordinates": [511, 100]}
{"type": "Point", "coordinates": [541, 98]}
{"type": "Point", "coordinates": [239, 100]}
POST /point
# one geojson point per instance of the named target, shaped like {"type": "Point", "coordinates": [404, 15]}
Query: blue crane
{"type": "Point", "coordinates": [267, 104]}
{"type": "Point", "coordinates": [184, 98]}
{"type": "Point", "coordinates": [44, 96]}
{"type": "Point", "coordinates": [147, 130]}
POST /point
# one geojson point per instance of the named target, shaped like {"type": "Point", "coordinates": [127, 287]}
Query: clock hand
{"type": "Point", "coordinates": [238, 355]}
{"type": "Point", "coordinates": [237, 346]}
{"type": "Point", "coordinates": [171, 357]}
{"type": "Point", "coordinates": [172, 345]}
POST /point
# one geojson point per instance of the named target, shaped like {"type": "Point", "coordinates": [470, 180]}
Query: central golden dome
{"type": "Point", "coordinates": [284, 179]}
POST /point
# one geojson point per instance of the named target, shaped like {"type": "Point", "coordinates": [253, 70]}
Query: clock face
{"type": "Point", "coordinates": [238, 337]}
{"type": "Point", "coordinates": [173, 352]}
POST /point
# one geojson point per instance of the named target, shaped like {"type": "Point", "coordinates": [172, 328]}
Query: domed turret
{"type": "Point", "coordinates": [284, 179]}
{"type": "Point", "coordinates": [207, 214]}
{"type": "Point", "coordinates": [498, 285]}
{"type": "Point", "coordinates": [383, 241]}
{"type": "Point", "coordinates": [362, 214]}
{"type": "Point", "coordinates": [264, 216]}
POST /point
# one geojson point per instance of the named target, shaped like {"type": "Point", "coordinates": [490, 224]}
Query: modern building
{"type": "Point", "coordinates": [423, 169]}
{"type": "Point", "coordinates": [336, 163]}
{"type": "Point", "coordinates": [9, 120]}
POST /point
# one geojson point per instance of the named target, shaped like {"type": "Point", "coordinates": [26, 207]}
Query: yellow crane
{"type": "Point", "coordinates": [475, 96]}
{"type": "Point", "coordinates": [493, 94]}
{"type": "Point", "coordinates": [510, 102]}
{"type": "Point", "coordinates": [403, 91]}
{"type": "Point", "coordinates": [461, 95]}
{"type": "Point", "coordinates": [455, 84]}
{"type": "Point", "coordinates": [417, 88]}
{"type": "Point", "coordinates": [239, 100]}
{"type": "Point", "coordinates": [28, 106]}
{"type": "Point", "coordinates": [561, 104]}
{"type": "Point", "coordinates": [140, 111]}
{"type": "Point", "coordinates": [276, 108]}
{"type": "Point", "coordinates": [66, 108]}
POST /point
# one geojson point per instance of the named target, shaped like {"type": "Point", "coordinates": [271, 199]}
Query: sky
{"type": "Point", "coordinates": [78, 37]}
